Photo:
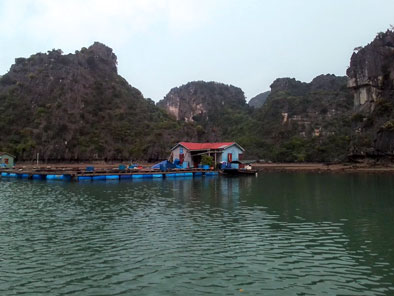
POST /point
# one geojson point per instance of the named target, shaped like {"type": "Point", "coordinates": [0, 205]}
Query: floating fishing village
{"type": "Point", "coordinates": [186, 160]}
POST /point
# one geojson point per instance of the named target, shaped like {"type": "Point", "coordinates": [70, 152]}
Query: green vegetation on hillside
{"type": "Point", "coordinates": [76, 107]}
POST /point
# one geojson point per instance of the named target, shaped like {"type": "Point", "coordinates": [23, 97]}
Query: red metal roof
{"type": "Point", "coordinates": [206, 146]}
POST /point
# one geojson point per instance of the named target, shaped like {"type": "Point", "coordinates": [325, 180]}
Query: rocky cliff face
{"type": "Point", "coordinates": [76, 107]}
{"type": "Point", "coordinates": [371, 78]}
{"type": "Point", "coordinates": [209, 105]}
{"type": "Point", "coordinates": [371, 71]}
{"type": "Point", "coordinates": [199, 100]}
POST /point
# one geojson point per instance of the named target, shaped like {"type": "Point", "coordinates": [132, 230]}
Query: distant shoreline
{"type": "Point", "coordinates": [321, 167]}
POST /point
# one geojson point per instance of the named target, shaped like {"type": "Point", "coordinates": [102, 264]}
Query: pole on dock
{"type": "Point", "coordinates": [38, 155]}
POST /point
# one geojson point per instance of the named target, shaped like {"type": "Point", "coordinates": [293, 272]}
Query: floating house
{"type": "Point", "coordinates": [6, 160]}
{"type": "Point", "coordinates": [191, 153]}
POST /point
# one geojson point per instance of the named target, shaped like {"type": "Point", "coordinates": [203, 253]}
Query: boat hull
{"type": "Point", "coordinates": [238, 172]}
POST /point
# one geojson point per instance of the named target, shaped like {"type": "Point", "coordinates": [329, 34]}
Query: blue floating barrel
{"type": "Point", "coordinates": [112, 177]}
{"type": "Point", "coordinates": [188, 174]}
{"type": "Point", "coordinates": [147, 176]}
{"type": "Point", "coordinates": [126, 177]}
{"type": "Point", "coordinates": [23, 176]}
{"type": "Point", "coordinates": [51, 177]}
{"type": "Point", "coordinates": [198, 174]}
{"type": "Point", "coordinates": [98, 178]}
{"type": "Point", "coordinates": [211, 173]}
{"type": "Point", "coordinates": [38, 177]}
{"type": "Point", "coordinates": [138, 176]}
{"type": "Point", "coordinates": [179, 174]}
{"type": "Point", "coordinates": [13, 175]}
{"type": "Point", "coordinates": [3, 174]}
{"type": "Point", "coordinates": [67, 177]}
{"type": "Point", "coordinates": [84, 178]}
{"type": "Point", "coordinates": [55, 177]}
{"type": "Point", "coordinates": [171, 175]}
{"type": "Point", "coordinates": [157, 175]}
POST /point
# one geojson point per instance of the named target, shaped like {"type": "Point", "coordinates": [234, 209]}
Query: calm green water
{"type": "Point", "coordinates": [278, 234]}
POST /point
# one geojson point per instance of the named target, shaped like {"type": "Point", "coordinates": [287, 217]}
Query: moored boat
{"type": "Point", "coordinates": [241, 168]}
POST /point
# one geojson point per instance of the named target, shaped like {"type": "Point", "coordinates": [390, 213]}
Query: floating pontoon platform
{"type": "Point", "coordinates": [101, 175]}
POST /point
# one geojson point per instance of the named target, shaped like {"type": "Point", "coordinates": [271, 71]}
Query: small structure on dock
{"type": "Point", "coordinates": [6, 160]}
{"type": "Point", "coordinates": [191, 153]}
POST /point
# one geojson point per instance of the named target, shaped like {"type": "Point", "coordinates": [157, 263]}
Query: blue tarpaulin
{"type": "Point", "coordinates": [165, 164]}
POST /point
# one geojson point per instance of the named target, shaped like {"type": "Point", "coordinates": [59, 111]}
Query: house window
{"type": "Point", "coordinates": [6, 160]}
{"type": "Point", "coordinates": [229, 157]}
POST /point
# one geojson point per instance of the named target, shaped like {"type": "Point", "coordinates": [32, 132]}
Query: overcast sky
{"type": "Point", "coordinates": [162, 44]}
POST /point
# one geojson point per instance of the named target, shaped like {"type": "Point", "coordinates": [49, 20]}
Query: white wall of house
{"type": "Point", "coordinates": [186, 152]}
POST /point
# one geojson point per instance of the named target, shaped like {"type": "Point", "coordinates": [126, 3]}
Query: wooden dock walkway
{"type": "Point", "coordinates": [69, 174]}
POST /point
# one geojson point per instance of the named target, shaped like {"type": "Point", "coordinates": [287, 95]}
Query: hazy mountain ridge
{"type": "Point", "coordinates": [259, 100]}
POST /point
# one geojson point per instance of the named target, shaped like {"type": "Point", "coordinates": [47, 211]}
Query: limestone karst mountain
{"type": "Point", "coordinates": [77, 107]}
{"type": "Point", "coordinates": [371, 77]}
